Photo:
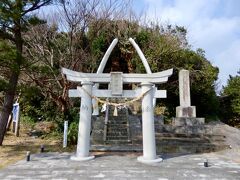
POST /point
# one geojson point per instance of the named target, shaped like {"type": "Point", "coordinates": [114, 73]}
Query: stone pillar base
{"type": "Point", "coordinates": [76, 158]}
{"type": "Point", "coordinates": [143, 160]}
{"type": "Point", "coordinates": [189, 111]}
{"type": "Point", "coordinates": [187, 121]}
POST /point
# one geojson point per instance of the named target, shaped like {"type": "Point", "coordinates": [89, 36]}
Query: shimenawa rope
{"type": "Point", "coordinates": [127, 103]}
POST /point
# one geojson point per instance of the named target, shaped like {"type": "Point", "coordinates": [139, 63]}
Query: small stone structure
{"type": "Point", "coordinates": [185, 113]}
{"type": "Point", "coordinates": [185, 109]}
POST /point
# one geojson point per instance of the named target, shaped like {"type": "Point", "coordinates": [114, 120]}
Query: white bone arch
{"type": "Point", "coordinates": [110, 49]}
{"type": "Point", "coordinates": [141, 55]}
{"type": "Point", "coordinates": [105, 59]}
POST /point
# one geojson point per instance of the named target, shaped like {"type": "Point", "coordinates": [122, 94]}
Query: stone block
{"type": "Point", "coordinates": [97, 130]}
{"type": "Point", "coordinates": [199, 129]}
{"type": "Point", "coordinates": [159, 120]}
{"type": "Point", "coordinates": [187, 121]}
{"type": "Point", "coordinates": [189, 111]}
{"type": "Point", "coordinates": [167, 128]}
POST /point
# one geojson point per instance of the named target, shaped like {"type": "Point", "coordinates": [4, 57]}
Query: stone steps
{"type": "Point", "coordinates": [117, 134]}
{"type": "Point", "coordinates": [118, 141]}
{"type": "Point", "coordinates": [113, 122]}
{"type": "Point", "coordinates": [117, 127]}
{"type": "Point", "coordinates": [116, 137]}
{"type": "Point", "coordinates": [169, 138]}
{"type": "Point", "coordinates": [191, 136]}
{"type": "Point", "coordinates": [167, 142]}
{"type": "Point", "coordinates": [172, 140]}
{"type": "Point", "coordinates": [160, 148]}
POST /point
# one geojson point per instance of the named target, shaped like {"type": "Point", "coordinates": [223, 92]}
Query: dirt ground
{"type": "Point", "coordinates": [15, 148]}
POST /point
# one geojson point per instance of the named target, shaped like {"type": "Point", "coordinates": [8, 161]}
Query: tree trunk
{"type": "Point", "coordinates": [13, 81]}
{"type": "Point", "coordinates": [8, 104]}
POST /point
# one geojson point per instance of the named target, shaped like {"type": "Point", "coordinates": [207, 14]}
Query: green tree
{"type": "Point", "coordinates": [49, 48]}
{"type": "Point", "coordinates": [164, 48]}
{"type": "Point", "coordinates": [230, 101]}
{"type": "Point", "coordinates": [14, 20]}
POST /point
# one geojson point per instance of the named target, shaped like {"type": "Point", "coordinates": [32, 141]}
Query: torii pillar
{"type": "Point", "coordinates": [84, 128]}
{"type": "Point", "coordinates": [148, 130]}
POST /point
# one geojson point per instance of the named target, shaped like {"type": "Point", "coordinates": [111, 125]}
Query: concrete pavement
{"type": "Point", "coordinates": [123, 166]}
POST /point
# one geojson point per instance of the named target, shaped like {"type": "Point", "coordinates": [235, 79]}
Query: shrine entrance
{"type": "Point", "coordinates": [90, 97]}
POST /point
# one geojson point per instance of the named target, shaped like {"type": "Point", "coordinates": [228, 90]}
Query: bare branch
{"type": "Point", "coordinates": [36, 5]}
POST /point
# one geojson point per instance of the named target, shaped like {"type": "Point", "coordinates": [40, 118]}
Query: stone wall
{"type": "Point", "coordinates": [188, 137]}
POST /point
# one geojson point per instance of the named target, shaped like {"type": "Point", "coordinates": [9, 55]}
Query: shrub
{"type": "Point", "coordinates": [73, 133]}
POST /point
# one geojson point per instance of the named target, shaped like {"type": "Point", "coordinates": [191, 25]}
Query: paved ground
{"type": "Point", "coordinates": [124, 166]}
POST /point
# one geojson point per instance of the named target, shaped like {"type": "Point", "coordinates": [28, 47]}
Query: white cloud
{"type": "Point", "coordinates": [214, 35]}
{"type": "Point", "coordinates": [212, 25]}
{"type": "Point", "coordinates": [229, 60]}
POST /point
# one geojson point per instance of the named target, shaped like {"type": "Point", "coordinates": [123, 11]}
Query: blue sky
{"type": "Point", "coordinates": [213, 25]}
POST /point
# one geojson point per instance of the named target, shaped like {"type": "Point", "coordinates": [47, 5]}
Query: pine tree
{"type": "Point", "coordinates": [14, 17]}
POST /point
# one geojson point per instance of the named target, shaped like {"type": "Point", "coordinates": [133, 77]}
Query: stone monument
{"type": "Point", "coordinates": [185, 113]}
{"type": "Point", "coordinates": [185, 109]}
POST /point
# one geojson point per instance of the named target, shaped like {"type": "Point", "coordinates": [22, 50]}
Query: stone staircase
{"type": "Point", "coordinates": [178, 143]}
{"type": "Point", "coordinates": [117, 128]}
{"type": "Point", "coordinates": [124, 133]}
{"type": "Point", "coordinates": [184, 139]}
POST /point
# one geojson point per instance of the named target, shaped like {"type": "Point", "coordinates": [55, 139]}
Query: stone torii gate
{"type": "Point", "coordinates": [147, 92]}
